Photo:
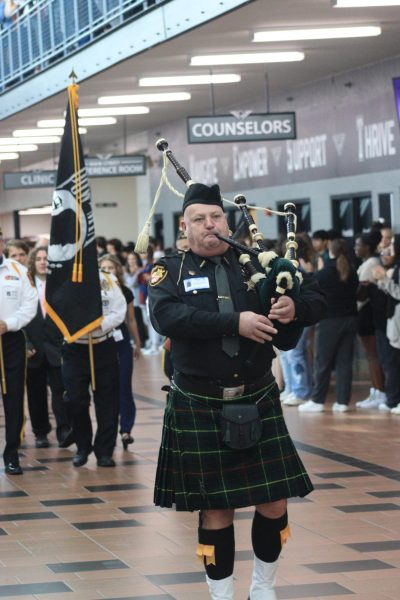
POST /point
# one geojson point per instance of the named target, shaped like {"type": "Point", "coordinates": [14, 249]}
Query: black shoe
{"type": "Point", "coordinates": [13, 468]}
{"type": "Point", "coordinates": [105, 461]}
{"type": "Point", "coordinates": [80, 458]}
{"type": "Point", "coordinates": [67, 439]}
{"type": "Point", "coordinates": [126, 439]}
{"type": "Point", "coordinates": [42, 441]}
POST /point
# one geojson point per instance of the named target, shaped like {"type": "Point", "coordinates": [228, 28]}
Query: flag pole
{"type": "Point", "coordinates": [91, 361]}
{"type": "Point", "coordinates": [3, 371]}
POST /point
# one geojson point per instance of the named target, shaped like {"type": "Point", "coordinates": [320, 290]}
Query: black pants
{"type": "Point", "coordinates": [389, 358]}
{"type": "Point", "coordinates": [37, 379]}
{"type": "Point", "coordinates": [76, 375]}
{"type": "Point", "coordinates": [14, 363]}
{"type": "Point", "coordinates": [334, 349]}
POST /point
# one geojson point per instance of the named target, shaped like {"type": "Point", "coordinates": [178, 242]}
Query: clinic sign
{"type": "Point", "coordinates": [103, 166]}
{"type": "Point", "coordinates": [245, 127]}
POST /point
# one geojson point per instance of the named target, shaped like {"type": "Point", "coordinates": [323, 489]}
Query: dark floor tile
{"type": "Point", "coordinates": [375, 546]}
{"type": "Point", "coordinates": [133, 462]}
{"type": "Point", "coordinates": [72, 501]}
{"type": "Point", "coordinates": [343, 474]}
{"type": "Point", "coordinates": [348, 566]}
{"type": "Point", "coordinates": [30, 469]}
{"type": "Point", "coordinates": [28, 516]}
{"type": "Point", "coordinates": [243, 516]}
{"type": "Point", "coordinates": [29, 589]}
{"type": "Point", "coordinates": [145, 440]}
{"type": "Point", "coordinates": [311, 590]}
{"type": "Point", "coordinates": [116, 487]}
{"type": "Point", "coordinates": [2, 532]}
{"type": "Point", "coordinates": [176, 578]}
{"type": "Point", "coordinates": [388, 494]}
{"type": "Point", "coordinates": [61, 459]}
{"type": "Point", "coordinates": [151, 401]}
{"type": "Point", "coordinates": [92, 565]}
{"type": "Point", "coordinates": [130, 510]}
{"type": "Point", "coordinates": [355, 508]}
{"type": "Point", "coordinates": [244, 555]}
{"type": "Point", "coordinates": [328, 486]}
{"type": "Point", "coordinates": [107, 524]}
{"type": "Point", "coordinates": [364, 465]}
{"type": "Point", "coordinates": [16, 494]}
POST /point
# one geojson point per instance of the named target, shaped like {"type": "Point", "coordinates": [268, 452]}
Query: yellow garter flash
{"type": "Point", "coordinates": [285, 535]}
{"type": "Point", "coordinates": [206, 552]}
{"type": "Point", "coordinates": [158, 274]}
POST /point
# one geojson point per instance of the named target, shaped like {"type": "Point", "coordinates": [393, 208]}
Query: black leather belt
{"type": "Point", "coordinates": [202, 387]}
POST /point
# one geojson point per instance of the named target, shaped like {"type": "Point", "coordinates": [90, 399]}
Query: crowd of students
{"type": "Point", "coordinates": [361, 283]}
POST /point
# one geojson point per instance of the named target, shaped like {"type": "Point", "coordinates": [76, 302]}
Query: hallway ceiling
{"type": "Point", "coordinates": [230, 33]}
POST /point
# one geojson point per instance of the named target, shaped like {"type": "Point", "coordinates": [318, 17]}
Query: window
{"type": "Point", "coordinates": [352, 214]}
{"type": "Point", "coordinates": [385, 209]}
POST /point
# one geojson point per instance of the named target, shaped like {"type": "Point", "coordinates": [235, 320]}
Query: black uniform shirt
{"type": "Point", "coordinates": [183, 307]}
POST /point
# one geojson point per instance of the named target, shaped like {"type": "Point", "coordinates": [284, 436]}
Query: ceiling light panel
{"type": "Point", "coordinates": [115, 111]}
{"type": "Point", "coordinates": [33, 139]}
{"type": "Point", "coordinates": [320, 33]}
{"type": "Point", "coordinates": [89, 121]}
{"type": "Point", "coordinates": [18, 148]}
{"type": "Point", "coordinates": [51, 131]}
{"type": "Point", "coordinates": [44, 210]}
{"type": "Point", "coordinates": [8, 155]}
{"type": "Point", "coordinates": [189, 80]}
{"type": "Point", "coordinates": [145, 98]}
{"type": "Point", "coordinates": [246, 58]}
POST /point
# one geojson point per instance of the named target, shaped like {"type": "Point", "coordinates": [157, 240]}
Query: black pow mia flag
{"type": "Point", "coordinates": [73, 297]}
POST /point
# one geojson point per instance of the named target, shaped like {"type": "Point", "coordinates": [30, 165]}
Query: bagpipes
{"type": "Point", "coordinates": [278, 275]}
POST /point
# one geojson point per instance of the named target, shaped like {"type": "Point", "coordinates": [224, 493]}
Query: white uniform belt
{"type": "Point", "coordinates": [95, 340]}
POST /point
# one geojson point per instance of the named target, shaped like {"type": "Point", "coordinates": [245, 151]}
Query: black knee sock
{"type": "Point", "coordinates": [266, 536]}
{"type": "Point", "coordinates": [223, 541]}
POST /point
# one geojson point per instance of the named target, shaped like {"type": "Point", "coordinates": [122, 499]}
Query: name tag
{"type": "Point", "coordinates": [11, 294]}
{"type": "Point", "coordinates": [196, 283]}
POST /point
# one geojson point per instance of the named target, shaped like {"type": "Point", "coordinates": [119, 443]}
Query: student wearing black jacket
{"type": "Point", "coordinates": [335, 333]}
{"type": "Point", "coordinates": [44, 342]}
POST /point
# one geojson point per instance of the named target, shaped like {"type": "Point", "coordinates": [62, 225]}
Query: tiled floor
{"type": "Point", "coordinates": [89, 533]}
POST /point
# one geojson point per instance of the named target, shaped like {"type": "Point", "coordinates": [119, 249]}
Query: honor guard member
{"type": "Point", "coordinates": [77, 377]}
{"type": "Point", "coordinates": [18, 305]}
{"type": "Point", "coordinates": [225, 444]}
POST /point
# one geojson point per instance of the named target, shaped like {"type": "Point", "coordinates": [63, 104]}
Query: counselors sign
{"type": "Point", "coordinates": [249, 128]}
{"type": "Point", "coordinates": [105, 166]}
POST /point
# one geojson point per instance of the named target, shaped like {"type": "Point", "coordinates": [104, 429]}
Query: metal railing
{"type": "Point", "coordinates": [44, 32]}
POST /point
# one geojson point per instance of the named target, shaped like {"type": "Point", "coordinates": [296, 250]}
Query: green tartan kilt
{"type": "Point", "coordinates": [197, 471]}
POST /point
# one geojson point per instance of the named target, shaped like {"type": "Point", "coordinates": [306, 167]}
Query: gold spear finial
{"type": "Point", "coordinates": [73, 76]}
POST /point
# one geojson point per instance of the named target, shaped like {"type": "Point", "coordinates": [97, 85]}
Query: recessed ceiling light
{"type": "Point", "coordinates": [146, 98]}
{"type": "Point", "coordinates": [246, 58]}
{"type": "Point", "coordinates": [318, 33]}
{"type": "Point", "coordinates": [89, 121]}
{"type": "Point", "coordinates": [57, 131]}
{"type": "Point", "coordinates": [86, 121]}
{"type": "Point", "coordinates": [43, 210]}
{"type": "Point", "coordinates": [18, 147]}
{"type": "Point", "coordinates": [189, 80]}
{"type": "Point", "coordinates": [115, 111]}
{"type": "Point", "coordinates": [8, 155]}
{"type": "Point", "coordinates": [32, 138]}
{"type": "Point", "coordinates": [364, 3]}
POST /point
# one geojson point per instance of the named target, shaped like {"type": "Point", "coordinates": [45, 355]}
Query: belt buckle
{"type": "Point", "coordinates": [228, 393]}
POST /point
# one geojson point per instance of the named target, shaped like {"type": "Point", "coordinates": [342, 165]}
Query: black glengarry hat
{"type": "Point", "coordinates": [198, 193]}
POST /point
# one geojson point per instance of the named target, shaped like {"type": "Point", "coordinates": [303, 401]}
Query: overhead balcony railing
{"type": "Point", "coordinates": [47, 31]}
